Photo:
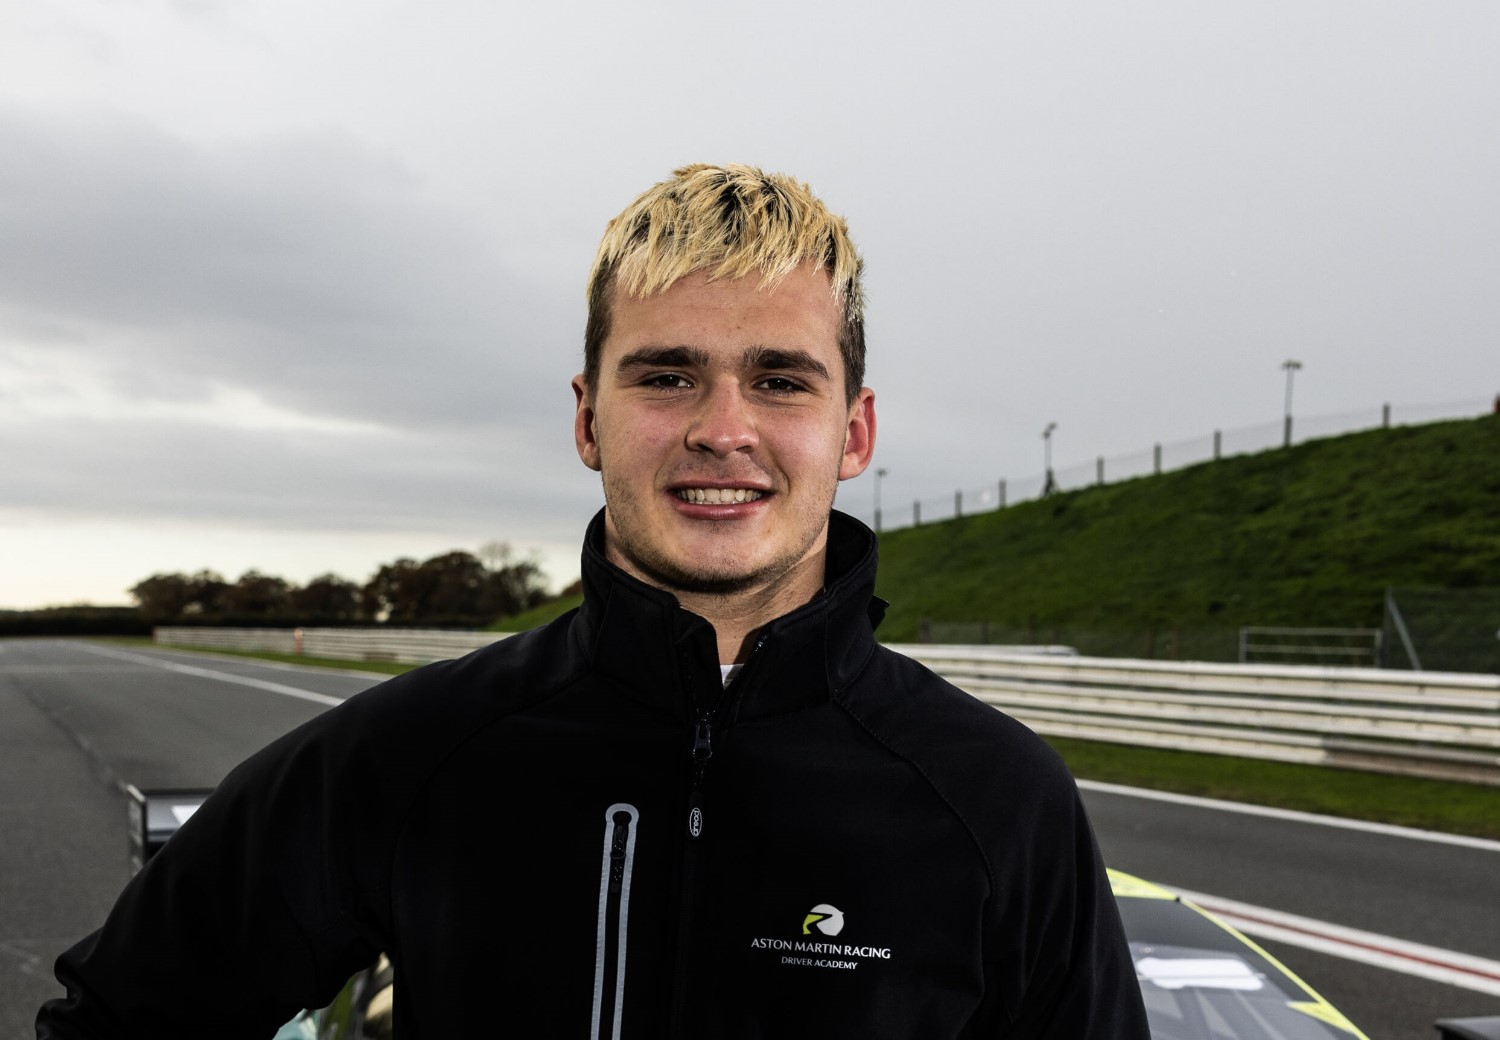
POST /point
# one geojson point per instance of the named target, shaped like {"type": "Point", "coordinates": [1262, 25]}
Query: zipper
{"type": "Point", "coordinates": [703, 744]}
{"type": "Point", "coordinates": [701, 752]}
{"type": "Point", "coordinates": [614, 913]}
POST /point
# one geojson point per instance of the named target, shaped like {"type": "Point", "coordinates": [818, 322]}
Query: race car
{"type": "Point", "coordinates": [1202, 980]}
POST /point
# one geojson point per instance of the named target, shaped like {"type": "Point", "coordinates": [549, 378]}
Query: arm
{"type": "Point", "coordinates": [1056, 962]}
{"type": "Point", "coordinates": [248, 914]}
{"type": "Point", "coordinates": [1094, 992]}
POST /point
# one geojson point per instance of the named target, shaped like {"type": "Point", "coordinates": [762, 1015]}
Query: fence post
{"type": "Point", "coordinates": [1385, 416]}
{"type": "Point", "coordinates": [1002, 492]}
{"type": "Point", "coordinates": [958, 504]}
{"type": "Point", "coordinates": [916, 512]}
{"type": "Point", "coordinates": [1099, 468]}
{"type": "Point", "coordinates": [1218, 443]}
{"type": "Point", "coordinates": [1156, 459]}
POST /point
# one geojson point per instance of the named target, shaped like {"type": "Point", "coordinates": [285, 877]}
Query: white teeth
{"type": "Point", "coordinates": [717, 496]}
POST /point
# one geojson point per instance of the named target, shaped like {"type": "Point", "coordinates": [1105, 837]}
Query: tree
{"type": "Point", "coordinates": [391, 594]}
{"type": "Point", "coordinates": [173, 597]}
{"type": "Point", "coordinates": [452, 586]}
{"type": "Point", "coordinates": [257, 595]}
{"type": "Point", "coordinates": [208, 589]}
{"type": "Point", "coordinates": [326, 598]}
{"type": "Point", "coordinates": [162, 597]}
{"type": "Point", "coordinates": [513, 588]}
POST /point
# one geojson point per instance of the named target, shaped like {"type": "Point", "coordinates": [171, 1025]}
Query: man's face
{"type": "Point", "coordinates": [721, 428]}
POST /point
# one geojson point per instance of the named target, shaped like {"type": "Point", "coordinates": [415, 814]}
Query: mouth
{"type": "Point", "coordinates": [718, 496]}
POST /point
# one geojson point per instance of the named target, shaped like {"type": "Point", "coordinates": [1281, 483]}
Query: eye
{"type": "Point", "coordinates": [666, 381]}
{"type": "Point", "coordinates": [781, 385]}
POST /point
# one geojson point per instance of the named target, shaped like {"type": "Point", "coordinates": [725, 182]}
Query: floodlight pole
{"type": "Point", "coordinates": [1291, 365]}
{"type": "Point", "coordinates": [879, 473]}
{"type": "Point", "coordinates": [1049, 485]}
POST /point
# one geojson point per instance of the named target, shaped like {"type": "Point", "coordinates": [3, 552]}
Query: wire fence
{"type": "Point", "coordinates": [1450, 630]}
{"type": "Point", "coordinates": [1160, 458]}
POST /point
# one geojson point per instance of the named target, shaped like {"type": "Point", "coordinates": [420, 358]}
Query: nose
{"type": "Point", "coordinates": [724, 422]}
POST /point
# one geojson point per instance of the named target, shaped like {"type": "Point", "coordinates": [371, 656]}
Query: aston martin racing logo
{"type": "Point", "coordinates": [816, 951]}
{"type": "Point", "coordinates": [827, 919]}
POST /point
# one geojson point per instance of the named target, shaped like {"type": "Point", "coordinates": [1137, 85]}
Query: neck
{"type": "Point", "coordinates": [738, 617]}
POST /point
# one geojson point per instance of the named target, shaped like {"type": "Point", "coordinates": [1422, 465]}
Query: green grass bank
{"type": "Point", "coordinates": [1172, 565]}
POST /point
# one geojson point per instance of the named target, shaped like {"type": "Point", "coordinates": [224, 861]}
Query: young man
{"type": "Point", "coordinates": [707, 804]}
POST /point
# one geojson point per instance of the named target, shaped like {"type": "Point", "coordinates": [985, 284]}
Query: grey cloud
{"type": "Point", "coordinates": [307, 269]}
{"type": "Point", "coordinates": [509, 479]}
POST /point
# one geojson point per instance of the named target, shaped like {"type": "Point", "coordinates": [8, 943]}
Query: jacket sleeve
{"type": "Point", "coordinates": [253, 910]}
{"type": "Point", "coordinates": [1080, 979]}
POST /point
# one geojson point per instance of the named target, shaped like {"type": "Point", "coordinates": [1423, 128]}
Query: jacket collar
{"type": "Point", "coordinates": [667, 656]}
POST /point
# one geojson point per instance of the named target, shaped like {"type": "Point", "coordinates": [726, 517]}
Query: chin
{"type": "Point", "coordinates": [695, 573]}
{"type": "Point", "coordinates": [694, 577]}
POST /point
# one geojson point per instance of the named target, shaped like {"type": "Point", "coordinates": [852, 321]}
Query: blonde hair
{"type": "Point", "coordinates": [729, 221]}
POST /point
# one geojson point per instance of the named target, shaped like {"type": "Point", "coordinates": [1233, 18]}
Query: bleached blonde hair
{"type": "Point", "coordinates": [730, 221]}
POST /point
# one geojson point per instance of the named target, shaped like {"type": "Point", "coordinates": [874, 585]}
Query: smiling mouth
{"type": "Point", "coordinates": [718, 496]}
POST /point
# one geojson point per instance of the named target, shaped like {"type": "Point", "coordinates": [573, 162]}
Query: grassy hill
{"type": "Point", "coordinates": [1174, 564]}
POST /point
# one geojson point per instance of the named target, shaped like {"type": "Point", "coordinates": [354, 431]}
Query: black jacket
{"type": "Point", "coordinates": [580, 832]}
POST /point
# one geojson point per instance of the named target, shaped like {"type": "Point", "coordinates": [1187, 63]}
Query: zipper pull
{"type": "Point", "coordinates": [703, 750]}
{"type": "Point", "coordinates": [703, 745]}
{"type": "Point", "coordinates": [617, 851]}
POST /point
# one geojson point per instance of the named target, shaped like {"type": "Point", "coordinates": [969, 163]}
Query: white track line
{"type": "Point", "coordinates": [1409, 958]}
{"type": "Point", "coordinates": [209, 673]}
{"type": "Point", "coordinates": [1221, 805]}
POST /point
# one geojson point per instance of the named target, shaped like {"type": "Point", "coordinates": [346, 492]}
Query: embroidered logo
{"type": "Point", "coordinates": [825, 918]}
{"type": "Point", "coordinates": [816, 951]}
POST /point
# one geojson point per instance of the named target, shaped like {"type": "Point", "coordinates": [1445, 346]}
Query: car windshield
{"type": "Point", "coordinates": [1200, 983]}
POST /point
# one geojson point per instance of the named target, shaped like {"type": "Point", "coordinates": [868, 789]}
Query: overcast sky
{"type": "Point", "coordinates": [299, 286]}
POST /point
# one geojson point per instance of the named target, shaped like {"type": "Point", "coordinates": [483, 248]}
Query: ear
{"type": "Point", "coordinates": [585, 438]}
{"type": "Point", "coordinates": [859, 435]}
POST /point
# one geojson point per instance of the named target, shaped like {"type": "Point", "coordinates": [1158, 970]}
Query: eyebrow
{"type": "Point", "coordinates": [666, 357]}
{"type": "Point", "coordinates": [775, 358]}
{"type": "Point", "coordinates": [783, 360]}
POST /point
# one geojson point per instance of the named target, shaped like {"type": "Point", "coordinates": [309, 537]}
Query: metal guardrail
{"type": "Point", "coordinates": [407, 645]}
{"type": "Point", "coordinates": [1440, 725]}
{"type": "Point", "coordinates": [1337, 646]}
{"type": "Point", "coordinates": [261, 640]}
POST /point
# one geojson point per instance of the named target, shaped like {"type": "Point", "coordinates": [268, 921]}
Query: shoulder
{"type": "Point", "coordinates": [373, 753]}
{"type": "Point", "coordinates": [391, 736]}
{"type": "Point", "coordinates": [998, 776]}
{"type": "Point", "coordinates": [914, 709]}
{"type": "Point", "coordinates": [440, 702]}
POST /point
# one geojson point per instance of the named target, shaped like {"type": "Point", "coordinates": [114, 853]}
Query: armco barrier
{"type": "Point", "coordinates": [264, 640]}
{"type": "Point", "coordinates": [409, 645]}
{"type": "Point", "coordinates": [1432, 724]}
